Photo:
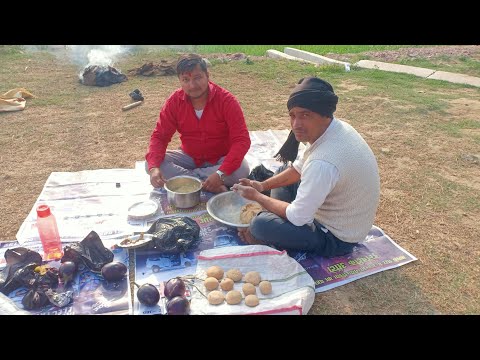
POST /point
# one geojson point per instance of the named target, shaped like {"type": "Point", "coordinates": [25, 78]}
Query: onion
{"type": "Point", "coordinates": [148, 295]}
{"type": "Point", "coordinates": [178, 305]}
{"type": "Point", "coordinates": [174, 287]}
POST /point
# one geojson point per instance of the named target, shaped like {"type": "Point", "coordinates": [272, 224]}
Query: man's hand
{"type": "Point", "coordinates": [253, 183]}
{"type": "Point", "coordinates": [248, 192]}
{"type": "Point", "coordinates": [214, 184]}
{"type": "Point", "coordinates": [156, 178]}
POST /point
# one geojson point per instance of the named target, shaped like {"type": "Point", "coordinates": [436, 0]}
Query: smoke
{"type": "Point", "coordinates": [102, 55]}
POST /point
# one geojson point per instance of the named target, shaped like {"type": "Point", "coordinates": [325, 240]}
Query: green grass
{"type": "Point", "coordinates": [453, 128]}
{"type": "Point", "coordinates": [271, 70]}
{"type": "Point", "coordinates": [444, 194]}
{"type": "Point", "coordinates": [260, 50]}
{"type": "Point", "coordinates": [471, 203]}
{"type": "Point", "coordinates": [462, 64]}
{"type": "Point", "coordinates": [11, 53]}
{"type": "Point", "coordinates": [10, 49]}
{"type": "Point", "coordinates": [398, 89]}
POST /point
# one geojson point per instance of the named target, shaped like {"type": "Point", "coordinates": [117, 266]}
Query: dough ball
{"type": "Point", "coordinates": [226, 284]}
{"type": "Point", "coordinates": [249, 289]}
{"type": "Point", "coordinates": [253, 277]}
{"type": "Point", "coordinates": [249, 211]}
{"type": "Point", "coordinates": [210, 283]}
{"type": "Point", "coordinates": [216, 297]}
{"type": "Point", "coordinates": [251, 300]}
{"type": "Point", "coordinates": [234, 297]}
{"type": "Point", "coordinates": [265, 287]}
{"type": "Point", "coordinates": [216, 272]}
{"type": "Point", "coordinates": [234, 274]}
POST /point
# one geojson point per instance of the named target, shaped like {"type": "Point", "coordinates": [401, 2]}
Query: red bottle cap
{"type": "Point", "coordinates": [43, 210]}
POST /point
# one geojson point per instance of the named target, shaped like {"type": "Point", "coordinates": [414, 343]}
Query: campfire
{"type": "Point", "coordinates": [97, 75]}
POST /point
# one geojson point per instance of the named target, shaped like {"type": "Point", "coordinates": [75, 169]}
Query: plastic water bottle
{"type": "Point", "coordinates": [48, 232]}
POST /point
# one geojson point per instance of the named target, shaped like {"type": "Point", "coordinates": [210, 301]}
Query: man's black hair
{"type": "Point", "coordinates": [188, 62]}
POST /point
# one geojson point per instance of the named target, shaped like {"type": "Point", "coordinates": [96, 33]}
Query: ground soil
{"type": "Point", "coordinates": [414, 52]}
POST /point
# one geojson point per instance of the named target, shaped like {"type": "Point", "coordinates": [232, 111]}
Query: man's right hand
{"type": "Point", "coordinates": [156, 178]}
{"type": "Point", "coordinates": [248, 192]}
{"type": "Point", "coordinates": [257, 185]}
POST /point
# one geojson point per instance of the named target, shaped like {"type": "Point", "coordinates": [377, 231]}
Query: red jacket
{"type": "Point", "coordinates": [220, 131]}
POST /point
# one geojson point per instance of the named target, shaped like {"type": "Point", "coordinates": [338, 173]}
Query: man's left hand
{"type": "Point", "coordinates": [213, 183]}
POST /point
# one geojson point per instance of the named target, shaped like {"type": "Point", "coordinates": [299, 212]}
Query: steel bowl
{"type": "Point", "coordinates": [183, 200]}
{"type": "Point", "coordinates": [226, 207]}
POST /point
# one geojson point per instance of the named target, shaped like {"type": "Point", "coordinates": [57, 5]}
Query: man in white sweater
{"type": "Point", "coordinates": [326, 201]}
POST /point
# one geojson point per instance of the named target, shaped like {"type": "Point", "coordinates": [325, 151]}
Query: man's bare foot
{"type": "Point", "coordinates": [241, 233]}
{"type": "Point", "coordinates": [247, 237]}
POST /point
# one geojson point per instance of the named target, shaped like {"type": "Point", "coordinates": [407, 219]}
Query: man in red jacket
{"type": "Point", "coordinates": [213, 133]}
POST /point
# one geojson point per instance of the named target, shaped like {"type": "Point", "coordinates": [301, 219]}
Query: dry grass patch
{"type": "Point", "coordinates": [346, 86]}
{"type": "Point", "coordinates": [464, 106]}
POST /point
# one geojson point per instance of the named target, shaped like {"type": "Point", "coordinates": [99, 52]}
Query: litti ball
{"type": "Point", "coordinates": [226, 284]}
{"type": "Point", "coordinates": [215, 271]}
{"type": "Point", "coordinates": [249, 289]}
{"type": "Point", "coordinates": [210, 283]}
{"type": "Point", "coordinates": [253, 277]}
{"type": "Point", "coordinates": [234, 274]}
{"type": "Point", "coordinates": [251, 300]}
{"type": "Point", "coordinates": [234, 297]}
{"type": "Point", "coordinates": [265, 287]}
{"type": "Point", "coordinates": [216, 297]}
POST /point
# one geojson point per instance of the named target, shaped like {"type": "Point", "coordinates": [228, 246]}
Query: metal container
{"type": "Point", "coordinates": [226, 208]}
{"type": "Point", "coordinates": [183, 200]}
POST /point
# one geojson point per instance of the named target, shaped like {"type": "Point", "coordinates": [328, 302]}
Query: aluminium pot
{"type": "Point", "coordinates": [183, 200]}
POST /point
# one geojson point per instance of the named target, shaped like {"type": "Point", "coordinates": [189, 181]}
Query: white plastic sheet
{"type": "Point", "coordinates": [293, 289]}
{"type": "Point", "coordinates": [8, 307]}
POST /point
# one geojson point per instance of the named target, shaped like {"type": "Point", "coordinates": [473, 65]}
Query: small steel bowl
{"type": "Point", "coordinates": [226, 208]}
{"type": "Point", "coordinates": [183, 200]}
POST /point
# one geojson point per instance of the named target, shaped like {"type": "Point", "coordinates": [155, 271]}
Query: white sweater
{"type": "Point", "coordinates": [349, 209]}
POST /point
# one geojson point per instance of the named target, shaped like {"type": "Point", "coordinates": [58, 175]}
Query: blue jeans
{"type": "Point", "coordinates": [281, 233]}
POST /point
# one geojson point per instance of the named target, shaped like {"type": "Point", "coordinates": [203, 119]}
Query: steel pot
{"type": "Point", "coordinates": [183, 200]}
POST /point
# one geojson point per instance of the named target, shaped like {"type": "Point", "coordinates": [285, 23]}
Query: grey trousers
{"type": "Point", "coordinates": [178, 163]}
